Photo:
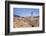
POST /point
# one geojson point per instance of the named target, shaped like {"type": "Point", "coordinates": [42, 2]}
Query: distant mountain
{"type": "Point", "coordinates": [16, 15]}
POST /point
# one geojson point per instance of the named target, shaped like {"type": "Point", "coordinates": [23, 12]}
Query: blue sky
{"type": "Point", "coordinates": [25, 11]}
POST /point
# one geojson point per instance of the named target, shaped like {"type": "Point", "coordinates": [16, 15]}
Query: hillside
{"type": "Point", "coordinates": [25, 21]}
